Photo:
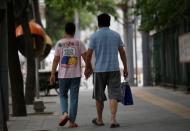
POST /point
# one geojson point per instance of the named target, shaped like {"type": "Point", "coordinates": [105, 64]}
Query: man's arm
{"type": "Point", "coordinates": [54, 67]}
{"type": "Point", "coordinates": [88, 70]}
{"type": "Point", "coordinates": [84, 57]}
{"type": "Point", "coordinates": [124, 61]}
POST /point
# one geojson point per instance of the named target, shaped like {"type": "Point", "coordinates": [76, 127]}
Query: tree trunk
{"type": "Point", "coordinates": [16, 79]}
{"type": "Point", "coordinates": [128, 40]}
{"type": "Point", "coordinates": [3, 68]}
{"type": "Point", "coordinates": [30, 54]}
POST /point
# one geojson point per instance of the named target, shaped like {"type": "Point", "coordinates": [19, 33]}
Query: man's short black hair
{"type": "Point", "coordinates": [104, 20]}
{"type": "Point", "coordinates": [70, 28]}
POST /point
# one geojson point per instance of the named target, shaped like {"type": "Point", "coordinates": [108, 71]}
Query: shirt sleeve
{"type": "Point", "coordinates": [120, 42]}
{"type": "Point", "coordinates": [92, 43]}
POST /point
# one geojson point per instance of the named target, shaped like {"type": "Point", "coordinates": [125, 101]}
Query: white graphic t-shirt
{"type": "Point", "coordinates": [69, 50]}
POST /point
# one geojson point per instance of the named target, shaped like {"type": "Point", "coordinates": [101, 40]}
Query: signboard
{"type": "Point", "coordinates": [184, 48]}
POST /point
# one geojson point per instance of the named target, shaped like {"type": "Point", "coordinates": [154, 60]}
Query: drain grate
{"type": "Point", "coordinates": [41, 113]}
{"type": "Point", "coordinates": [42, 130]}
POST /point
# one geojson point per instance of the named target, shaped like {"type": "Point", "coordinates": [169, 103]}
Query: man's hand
{"type": "Point", "coordinates": [88, 69]}
{"type": "Point", "coordinates": [125, 73]}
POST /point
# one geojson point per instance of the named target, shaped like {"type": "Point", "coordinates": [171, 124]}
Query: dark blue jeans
{"type": "Point", "coordinates": [72, 85]}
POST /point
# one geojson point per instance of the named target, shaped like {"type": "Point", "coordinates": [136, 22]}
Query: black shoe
{"type": "Point", "coordinates": [94, 121]}
{"type": "Point", "coordinates": [114, 125]}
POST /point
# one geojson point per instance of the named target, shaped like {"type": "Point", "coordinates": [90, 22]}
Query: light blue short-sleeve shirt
{"type": "Point", "coordinates": [105, 43]}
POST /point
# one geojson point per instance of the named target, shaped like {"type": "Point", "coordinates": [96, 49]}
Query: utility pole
{"type": "Point", "coordinates": [36, 16]}
{"type": "Point", "coordinates": [38, 104]}
{"type": "Point", "coordinates": [128, 38]}
{"type": "Point", "coordinates": [135, 43]}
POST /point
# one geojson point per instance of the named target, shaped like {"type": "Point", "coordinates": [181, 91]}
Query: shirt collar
{"type": "Point", "coordinates": [104, 28]}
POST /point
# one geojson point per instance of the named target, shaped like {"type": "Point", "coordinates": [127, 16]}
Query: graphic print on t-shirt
{"type": "Point", "coordinates": [69, 58]}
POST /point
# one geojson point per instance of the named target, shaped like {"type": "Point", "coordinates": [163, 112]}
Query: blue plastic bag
{"type": "Point", "coordinates": [126, 94]}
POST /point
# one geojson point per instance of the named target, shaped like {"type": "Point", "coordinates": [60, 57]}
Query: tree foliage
{"type": "Point", "coordinates": [61, 11]}
{"type": "Point", "coordinates": [159, 14]}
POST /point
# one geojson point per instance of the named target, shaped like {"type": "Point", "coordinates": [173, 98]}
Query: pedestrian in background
{"type": "Point", "coordinates": [106, 44]}
{"type": "Point", "coordinates": [68, 52]}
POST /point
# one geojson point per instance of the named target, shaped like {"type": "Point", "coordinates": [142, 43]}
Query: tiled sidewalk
{"type": "Point", "coordinates": [150, 113]}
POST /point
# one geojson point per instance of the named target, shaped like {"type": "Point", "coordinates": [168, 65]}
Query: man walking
{"type": "Point", "coordinates": [106, 44]}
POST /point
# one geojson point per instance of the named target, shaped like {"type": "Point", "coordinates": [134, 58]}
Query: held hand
{"type": "Point", "coordinates": [88, 72]}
